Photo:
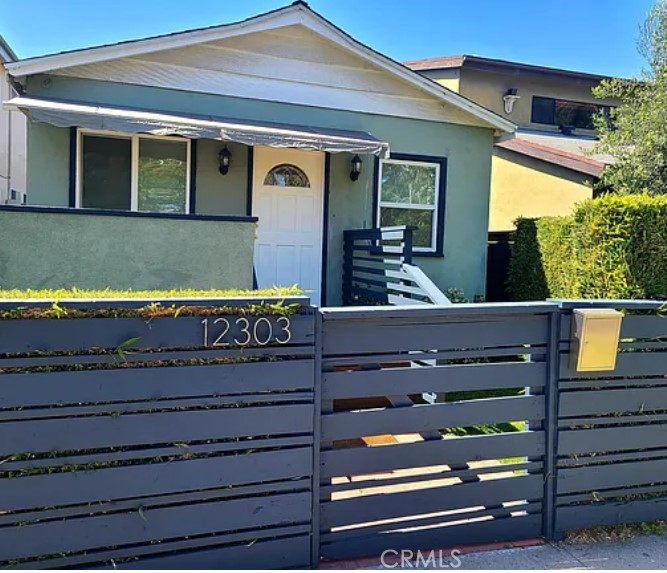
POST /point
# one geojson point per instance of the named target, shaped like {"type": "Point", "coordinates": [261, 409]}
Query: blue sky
{"type": "Point", "coordinates": [597, 36]}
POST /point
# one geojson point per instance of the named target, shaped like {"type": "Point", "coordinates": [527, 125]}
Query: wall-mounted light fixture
{"type": "Point", "coordinates": [355, 165]}
{"type": "Point", "coordinates": [225, 158]}
{"type": "Point", "coordinates": [510, 98]}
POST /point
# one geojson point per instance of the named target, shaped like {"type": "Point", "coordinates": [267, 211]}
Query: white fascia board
{"type": "Point", "coordinates": [42, 64]}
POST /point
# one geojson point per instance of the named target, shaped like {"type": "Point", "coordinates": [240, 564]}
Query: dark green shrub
{"type": "Point", "coordinates": [611, 247]}
{"type": "Point", "coordinates": [527, 280]}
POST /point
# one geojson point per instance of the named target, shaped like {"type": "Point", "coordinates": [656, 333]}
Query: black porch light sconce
{"type": "Point", "coordinates": [355, 168]}
{"type": "Point", "coordinates": [225, 158]}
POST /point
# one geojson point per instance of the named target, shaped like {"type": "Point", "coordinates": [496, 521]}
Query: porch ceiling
{"type": "Point", "coordinates": [124, 120]}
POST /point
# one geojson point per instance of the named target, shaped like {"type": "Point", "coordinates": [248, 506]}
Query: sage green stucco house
{"type": "Point", "coordinates": [240, 152]}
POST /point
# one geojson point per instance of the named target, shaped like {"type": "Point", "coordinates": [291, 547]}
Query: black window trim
{"type": "Point", "coordinates": [601, 107]}
{"type": "Point", "coordinates": [440, 207]}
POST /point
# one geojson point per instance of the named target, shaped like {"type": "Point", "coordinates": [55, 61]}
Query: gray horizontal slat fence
{"type": "Point", "coordinates": [403, 393]}
{"type": "Point", "coordinates": [245, 440]}
{"type": "Point", "coordinates": [612, 436]}
{"type": "Point", "coordinates": [191, 446]}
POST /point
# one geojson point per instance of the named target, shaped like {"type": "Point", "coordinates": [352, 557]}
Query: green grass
{"type": "Point", "coordinates": [76, 293]}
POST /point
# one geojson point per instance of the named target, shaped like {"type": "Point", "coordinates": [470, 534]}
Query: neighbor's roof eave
{"type": "Point", "coordinates": [467, 60]}
{"type": "Point", "coordinates": [564, 159]}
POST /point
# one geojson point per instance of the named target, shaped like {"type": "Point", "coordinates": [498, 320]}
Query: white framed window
{"type": "Point", "coordinates": [147, 173]}
{"type": "Point", "coordinates": [409, 193]}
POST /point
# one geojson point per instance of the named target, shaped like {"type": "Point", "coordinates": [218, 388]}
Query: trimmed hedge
{"type": "Point", "coordinates": [77, 293]}
{"type": "Point", "coordinates": [611, 247]}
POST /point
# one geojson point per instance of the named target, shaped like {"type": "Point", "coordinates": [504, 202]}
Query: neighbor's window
{"type": "Point", "coordinates": [133, 173]}
{"type": "Point", "coordinates": [552, 111]}
{"type": "Point", "coordinates": [408, 195]}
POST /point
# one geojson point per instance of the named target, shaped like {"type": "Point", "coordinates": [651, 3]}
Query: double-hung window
{"type": "Point", "coordinates": [411, 192]}
{"type": "Point", "coordinates": [133, 172]}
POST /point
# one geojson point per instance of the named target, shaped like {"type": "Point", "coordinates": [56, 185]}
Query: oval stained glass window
{"type": "Point", "coordinates": [286, 175]}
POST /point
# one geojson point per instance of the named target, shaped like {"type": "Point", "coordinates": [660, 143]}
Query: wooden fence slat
{"type": "Point", "coordinates": [78, 534]}
{"type": "Point", "coordinates": [451, 378]}
{"type": "Point", "coordinates": [358, 337]}
{"type": "Point", "coordinates": [491, 531]}
{"type": "Point", "coordinates": [612, 401]}
{"type": "Point", "coordinates": [454, 451]}
{"type": "Point", "coordinates": [422, 418]}
{"type": "Point", "coordinates": [371, 508]}
{"type": "Point", "coordinates": [148, 454]}
{"type": "Point", "coordinates": [116, 506]}
{"type": "Point", "coordinates": [627, 364]}
{"type": "Point", "coordinates": [157, 428]}
{"type": "Point", "coordinates": [443, 473]}
{"type": "Point", "coordinates": [595, 478]}
{"type": "Point", "coordinates": [198, 403]}
{"type": "Point", "coordinates": [130, 384]}
{"type": "Point", "coordinates": [30, 335]}
{"type": "Point", "coordinates": [194, 549]}
{"type": "Point", "coordinates": [611, 439]}
{"type": "Point", "coordinates": [52, 490]}
{"type": "Point", "coordinates": [596, 515]}
{"type": "Point", "coordinates": [286, 553]}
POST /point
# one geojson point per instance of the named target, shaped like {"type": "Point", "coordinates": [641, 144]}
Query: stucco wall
{"type": "Point", "coordinates": [525, 187]}
{"type": "Point", "coordinates": [48, 165]}
{"type": "Point", "coordinates": [468, 150]}
{"type": "Point", "coordinates": [487, 88]}
{"type": "Point", "coordinates": [217, 194]}
{"type": "Point", "coordinates": [450, 78]}
{"type": "Point", "coordinates": [123, 252]}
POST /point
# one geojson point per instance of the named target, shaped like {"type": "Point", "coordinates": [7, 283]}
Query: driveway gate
{"type": "Point", "coordinates": [400, 387]}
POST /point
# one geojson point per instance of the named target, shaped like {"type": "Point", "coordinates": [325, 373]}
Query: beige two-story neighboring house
{"type": "Point", "coordinates": [548, 167]}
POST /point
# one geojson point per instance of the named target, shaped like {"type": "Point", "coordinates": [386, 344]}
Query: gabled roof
{"type": "Point", "coordinates": [577, 163]}
{"type": "Point", "coordinates": [479, 62]}
{"type": "Point", "coordinates": [297, 13]}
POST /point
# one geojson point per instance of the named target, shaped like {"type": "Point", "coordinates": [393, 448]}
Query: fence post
{"type": "Point", "coordinates": [348, 260]}
{"type": "Point", "coordinates": [317, 436]}
{"type": "Point", "coordinates": [551, 426]}
{"type": "Point", "coordinates": [407, 245]}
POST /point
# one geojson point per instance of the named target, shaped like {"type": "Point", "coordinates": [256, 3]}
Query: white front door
{"type": "Point", "coordinates": [288, 193]}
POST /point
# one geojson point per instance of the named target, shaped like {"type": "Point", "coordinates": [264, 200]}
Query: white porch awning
{"type": "Point", "coordinates": [124, 120]}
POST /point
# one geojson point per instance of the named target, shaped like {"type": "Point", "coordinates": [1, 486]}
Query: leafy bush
{"type": "Point", "coordinates": [456, 295]}
{"type": "Point", "coordinates": [611, 247]}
